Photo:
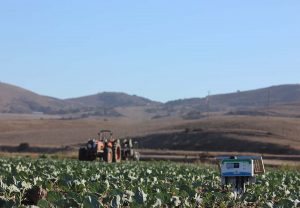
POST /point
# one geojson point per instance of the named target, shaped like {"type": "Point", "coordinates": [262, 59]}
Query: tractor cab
{"type": "Point", "coordinates": [105, 135]}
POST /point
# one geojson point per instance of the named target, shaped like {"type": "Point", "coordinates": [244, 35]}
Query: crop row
{"type": "Point", "coordinates": [70, 183]}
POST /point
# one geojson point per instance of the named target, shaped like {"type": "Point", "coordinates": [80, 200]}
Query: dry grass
{"type": "Point", "coordinates": [54, 132]}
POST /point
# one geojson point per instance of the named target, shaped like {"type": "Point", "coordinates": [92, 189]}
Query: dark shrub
{"type": "Point", "coordinates": [23, 147]}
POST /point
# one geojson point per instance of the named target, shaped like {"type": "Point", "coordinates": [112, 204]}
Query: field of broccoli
{"type": "Point", "coordinates": [68, 183]}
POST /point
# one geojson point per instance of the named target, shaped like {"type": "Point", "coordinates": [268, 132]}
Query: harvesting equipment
{"type": "Point", "coordinates": [239, 171]}
{"type": "Point", "coordinates": [108, 149]}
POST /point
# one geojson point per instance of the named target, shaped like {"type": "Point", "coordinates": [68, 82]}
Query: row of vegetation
{"type": "Point", "coordinates": [70, 183]}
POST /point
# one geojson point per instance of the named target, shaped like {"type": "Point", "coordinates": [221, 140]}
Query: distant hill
{"type": "Point", "coordinates": [282, 100]}
{"type": "Point", "coordinates": [112, 100]}
{"type": "Point", "coordinates": [14, 99]}
{"type": "Point", "coordinates": [240, 101]}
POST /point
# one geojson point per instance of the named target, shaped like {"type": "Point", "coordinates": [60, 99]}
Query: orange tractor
{"type": "Point", "coordinates": [108, 149]}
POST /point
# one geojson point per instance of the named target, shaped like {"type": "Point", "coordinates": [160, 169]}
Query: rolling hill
{"type": "Point", "coordinates": [265, 101]}
{"type": "Point", "coordinates": [282, 100]}
{"type": "Point", "coordinates": [14, 99]}
{"type": "Point", "coordinates": [17, 100]}
{"type": "Point", "coordinates": [112, 100]}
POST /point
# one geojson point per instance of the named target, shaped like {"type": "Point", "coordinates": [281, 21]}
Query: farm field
{"type": "Point", "coordinates": [280, 134]}
{"type": "Point", "coordinates": [70, 183]}
{"type": "Point", "coordinates": [276, 138]}
{"type": "Point", "coordinates": [59, 132]}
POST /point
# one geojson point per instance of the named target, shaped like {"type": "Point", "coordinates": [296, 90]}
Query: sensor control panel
{"type": "Point", "coordinates": [237, 167]}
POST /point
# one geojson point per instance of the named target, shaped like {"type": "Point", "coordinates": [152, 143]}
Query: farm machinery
{"type": "Point", "coordinates": [238, 171]}
{"type": "Point", "coordinates": [108, 149]}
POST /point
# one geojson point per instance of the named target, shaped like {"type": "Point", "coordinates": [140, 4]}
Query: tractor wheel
{"type": "Point", "coordinates": [82, 154]}
{"type": "Point", "coordinates": [117, 153]}
{"type": "Point", "coordinates": [108, 155]}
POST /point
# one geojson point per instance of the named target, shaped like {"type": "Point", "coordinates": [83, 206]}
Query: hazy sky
{"type": "Point", "coordinates": [160, 49]}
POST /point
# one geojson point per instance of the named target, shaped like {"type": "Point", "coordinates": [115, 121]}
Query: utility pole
{"type": "Point", "coordinates": [239, 98]}
{"type": "Point", "coordinates": [208, 104]}
{"type": "Point", "coordinates": [238, 107]}
{"type": "Point", "coordinates": [268, 104]}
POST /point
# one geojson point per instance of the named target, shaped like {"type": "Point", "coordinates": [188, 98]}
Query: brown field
{"type": "Point", "coordinates": [57, 132]}
{"type": "Point", "coordinates": [275, 130]}
{"type": "Point", "coordinates": [272, 135]}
